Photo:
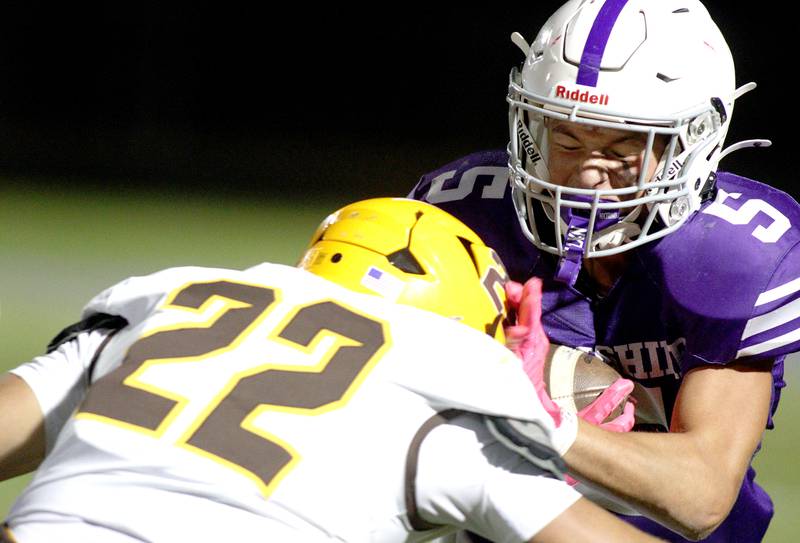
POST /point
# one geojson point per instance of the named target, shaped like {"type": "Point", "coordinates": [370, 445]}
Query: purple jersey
{"type": "Point", "coordinates": [724, 286]}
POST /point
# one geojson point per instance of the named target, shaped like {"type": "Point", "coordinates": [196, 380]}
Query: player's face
{"type": "Point", "coordinates": [589, 157]}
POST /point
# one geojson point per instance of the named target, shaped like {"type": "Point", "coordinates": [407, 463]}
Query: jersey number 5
{"type": "Point", "coordinates": [223, 432]}
{"type": "Point", "coordinates": [747, 212]}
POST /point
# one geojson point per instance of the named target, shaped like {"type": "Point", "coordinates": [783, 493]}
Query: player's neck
{"type": "Point", "coordinates": [605, 271]}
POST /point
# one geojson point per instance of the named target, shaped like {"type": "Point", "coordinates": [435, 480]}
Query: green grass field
{"type": "Point", "coordinates": [60, 248]}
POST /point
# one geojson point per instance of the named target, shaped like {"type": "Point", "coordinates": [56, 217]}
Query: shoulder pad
{"type": "Point", "coordinates": [742, 248]}
{"type": "Point", "coordinates": [728, 250]}
{"type": "Point", "coordinates": [135, 298]}
{"type": "Point", "coordinates": [482, 175]}
{"type": "Point", "coordinates": [530, 440]}
{"type": "Point", "coordinates": [95, 321]}
{"type": "Point", "coordinates": [476, 190]}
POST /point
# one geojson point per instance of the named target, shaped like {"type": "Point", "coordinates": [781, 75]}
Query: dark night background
{"type": "Point", "coordinates": [231, 99]}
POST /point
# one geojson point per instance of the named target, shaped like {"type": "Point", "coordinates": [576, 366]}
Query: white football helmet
{"type": "Point", "coordinates": [660, 67]}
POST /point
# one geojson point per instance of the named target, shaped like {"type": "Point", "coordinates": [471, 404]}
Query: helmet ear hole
{"type": "Point", "coordinates": [403, 260]}
{"type": "Point", "coordinates": [336, 258]}
{"type": "Point", "coordinates": [468, 247]}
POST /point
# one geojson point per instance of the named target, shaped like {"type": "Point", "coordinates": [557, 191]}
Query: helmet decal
{"type": "Point", "coordinates": [382, 283]}
{"type": "Point", "coordinates": [599, 35]}
{"type": "Point", "coordinates": [581, 95]}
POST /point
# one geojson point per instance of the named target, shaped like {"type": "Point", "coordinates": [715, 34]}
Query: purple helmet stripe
{"type": "Point", "coordinates": [596, 42]}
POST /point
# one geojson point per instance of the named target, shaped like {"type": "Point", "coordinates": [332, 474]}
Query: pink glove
{"type": "Point", "coordinates": [527, 339]}
{"type": "Point", "coordinates": [596, 412]}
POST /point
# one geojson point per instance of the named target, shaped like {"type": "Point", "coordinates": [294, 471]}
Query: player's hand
{"type": "Point", "coordinates": [605, 404]}
{"type": "Point", "coordinates": [526, 337]}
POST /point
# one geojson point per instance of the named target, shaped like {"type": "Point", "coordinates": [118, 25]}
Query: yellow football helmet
{"type": "Point", "coordinates": [412, 253]}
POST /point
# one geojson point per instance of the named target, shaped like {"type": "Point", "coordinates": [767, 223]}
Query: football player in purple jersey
{"type": "Point", "coordinates": [685, 276]}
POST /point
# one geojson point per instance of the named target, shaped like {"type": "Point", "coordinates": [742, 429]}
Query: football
{"type": "Point", "coordinates": [574, 378]}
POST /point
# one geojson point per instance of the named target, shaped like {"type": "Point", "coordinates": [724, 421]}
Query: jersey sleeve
{"type": "Point", "coordinates": [754, 316]}
{"type": "Point", "coordinates": [773, 328]}
{"type": "Point", "coordinates": [489, 490]}
{"type": "Point", "coordinates": [60, 378]}
{"type": "Point", "coordinates": [730, 276]}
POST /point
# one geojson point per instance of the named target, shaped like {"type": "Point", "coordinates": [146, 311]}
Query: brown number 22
{"type": "Point", "coordinates": [223, 432]}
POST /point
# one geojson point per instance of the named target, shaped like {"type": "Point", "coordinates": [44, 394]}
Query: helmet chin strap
{"type": "Point", "coordinates": [612, 230]}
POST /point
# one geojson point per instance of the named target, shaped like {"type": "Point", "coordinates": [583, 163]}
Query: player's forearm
{"type": "Point", "coordinates": [22, 441]}
{"type": "Point", "coordinates": [668, 477]}
{"type": "Point", "coordinates": [583, 521]}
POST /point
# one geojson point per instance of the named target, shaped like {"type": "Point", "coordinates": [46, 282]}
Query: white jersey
{"type": "Point", "coordinates": [273, 405]}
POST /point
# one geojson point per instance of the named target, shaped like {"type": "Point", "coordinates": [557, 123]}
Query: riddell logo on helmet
{"type": "Point", "coordinates": [578, 95]}
{"type": "Point", "coordinates": [527, 143]}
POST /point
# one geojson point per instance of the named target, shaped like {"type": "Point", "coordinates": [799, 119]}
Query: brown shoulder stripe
{"type": "Point", "coordinates": [417, 522]}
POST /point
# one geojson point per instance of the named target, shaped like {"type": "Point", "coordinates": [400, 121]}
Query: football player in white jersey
{"type": "Point", "coordinates": [332, 401]}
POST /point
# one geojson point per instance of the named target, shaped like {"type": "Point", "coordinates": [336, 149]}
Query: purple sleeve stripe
{"type": "Point", "coordinates": [599, 35]}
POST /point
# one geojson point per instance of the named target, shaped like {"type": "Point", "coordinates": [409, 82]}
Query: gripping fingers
{"type": "Point", "coordinates": [605, 404]}
{"type": "Point", "coordinates": [513, 293]}
{"type": "Point", "coordinates": [624, 422]}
